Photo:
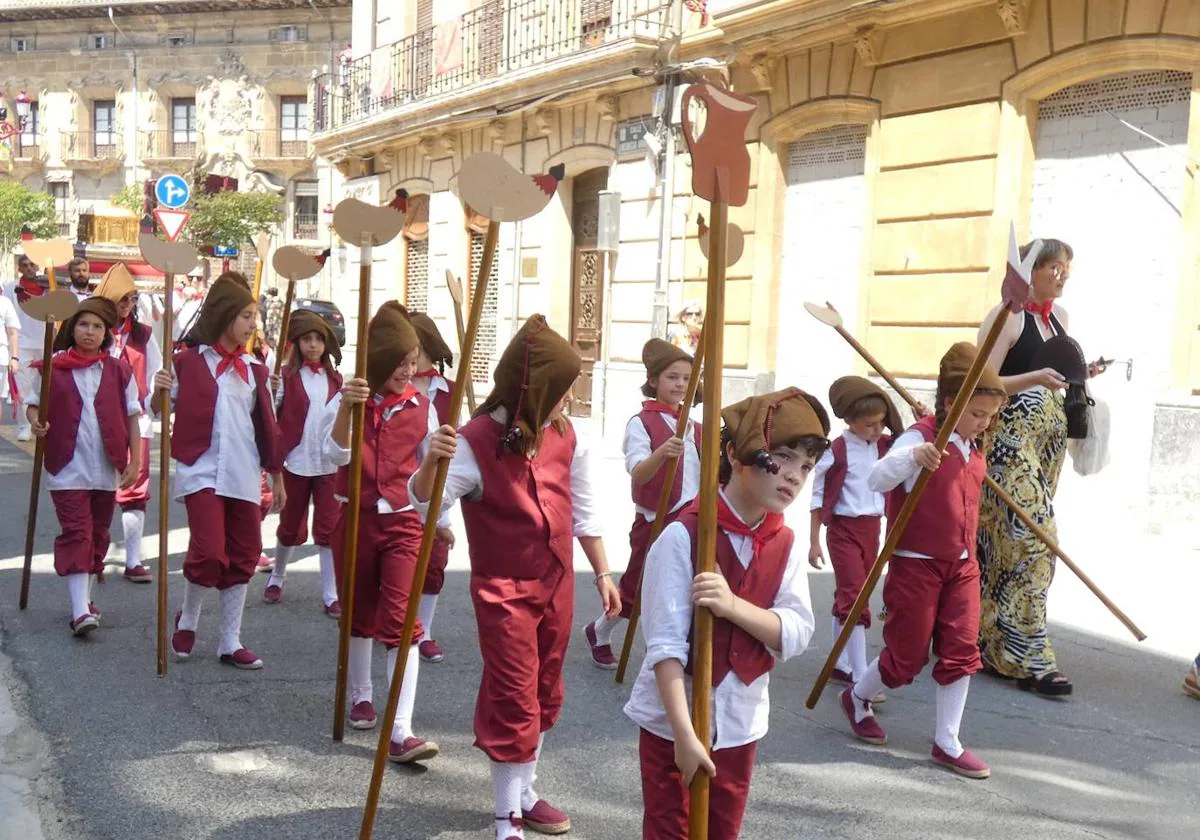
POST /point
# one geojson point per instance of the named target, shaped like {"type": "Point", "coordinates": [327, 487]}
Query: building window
{"type": "Point", "coordinates": [61, 191]}
{"type": "Point", "coordinates": [305, 211]}
{"type": "Point", "coordinates": [485, 342]}
{"type": "Point", "coordinates": [288, 34]}
{"type": "Point", "coordinates": [293, 126]}
{"type": "Point", "coordinates": [177, 39]}
{"type": "Point", "coordinates": [104, 127]}
{"type": "Point", "coordinates": [416, 274]}
{"type": "Point", "coordinates": [98, 42]}
{"type": "Point", "coordinates": [28, 141]}
{"type": "Point", "coordinates": [21, 44]}
{"type": "Point", "coordinates": [183, 128]}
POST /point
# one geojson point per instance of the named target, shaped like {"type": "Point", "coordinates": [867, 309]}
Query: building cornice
{"type": "Point", "coordinates": [30, 10]}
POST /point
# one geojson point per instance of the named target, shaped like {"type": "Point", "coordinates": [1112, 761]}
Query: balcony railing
{"type": "Point", "coordinates": [27, 151]}
{"type": "Point", "coordinates": [169, 145]}
{"type": "Point", "coordinates": [498, 37]}
{"type": "Point", "coordinates": [275, 143]}
{"type": "Point", "coordinates": [304, 227]}
{"type": "Point", "coordinates": [89, 145]}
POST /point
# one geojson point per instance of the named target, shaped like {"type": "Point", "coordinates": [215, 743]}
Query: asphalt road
{"type": "Point", "coordinates": [214, 753]}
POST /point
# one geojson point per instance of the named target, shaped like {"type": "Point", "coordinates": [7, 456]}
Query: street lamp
{"type": "Point", "coordinates": [24, 107]}
{"type": "Point", "coordinates": [327, 215]}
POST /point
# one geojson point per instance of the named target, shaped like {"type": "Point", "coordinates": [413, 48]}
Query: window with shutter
{"type": "Point", "coordinates": [416, 275]}
{"type": "Point", "coordinates": [485, 339]}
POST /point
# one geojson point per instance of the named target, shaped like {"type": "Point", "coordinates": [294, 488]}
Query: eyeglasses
{"type": "Point", "coordinates": [691, 314]}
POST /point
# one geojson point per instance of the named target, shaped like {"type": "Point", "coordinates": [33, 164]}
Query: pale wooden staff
{"type": "Point", "coordinates": [484, 180]}
{"type": "Point", "coordinates": [664, 504]}
{"type": "Point", "coordinates": [170, 258]}
{"type": "Point", "coordinates": [368, 225]}
{"type": "Point", "coordinates": [830, 316]}
{"type": "Point", "coordinates": [456, 294]}
{"type": "Point", "coordinates": [1015, 293]}
{"type": "Point", "coordinates": [292, 263]}
{"type": "Point", "coordinates": [50, 307]}
{"type": "Point", "coordinates": [261, 243]}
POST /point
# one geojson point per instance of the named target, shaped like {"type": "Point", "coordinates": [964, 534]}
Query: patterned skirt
{"type": "Point", "coordinates": [1025, 458]}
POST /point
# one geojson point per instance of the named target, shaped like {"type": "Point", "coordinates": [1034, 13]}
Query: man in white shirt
{"type": "Point", "coordinates": [10, 336]}
{"type": "Point", "coordinates": [32, 335]}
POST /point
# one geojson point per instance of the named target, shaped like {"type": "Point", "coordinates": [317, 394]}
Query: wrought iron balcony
{"type": "Point", "coordinates": [91, 145]}
{"type": "Point", "coordinates": [305, 227]}
{"type": "Point", "coordinates": [278, 144]}
{"type": "Point", "coordinates": [497, 38]}
{"type": "Point", "coordinates": [169, 145]}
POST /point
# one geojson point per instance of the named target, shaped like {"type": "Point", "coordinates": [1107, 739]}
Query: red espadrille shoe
{"type": "Point", "coordinates": [544, 818]}
{"type": "Point", "coordinates": [968, 764]}
{"type": "Point", "coordinates": [411, 749]}
{"type": "Point", "coordinates": [602, 655]}
{"type": "Point", "coordinates": [138, 574]}
{"type": "Point", "coordinates": [182, 641]}
{"type": "Point", "coordinates": [273, 594]}
{"type": "Point", "coordinates": [84, 624]}
{"type": "Point", "coordinates": [243, 659]}
{"type": "Point", "coordinates": [866, 730]}
{"type": "Point", "coordinates": [334, 610]}
{"type": "Point", "coordinates": [841, 677]}
{"type": "Point", "coordinates": [362, 715]}
{"type": "Point", "coordinates": [431, 651]}
{"type": "Point", "coordinates": [515, 825]}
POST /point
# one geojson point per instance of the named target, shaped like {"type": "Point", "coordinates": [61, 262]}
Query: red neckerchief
{"type": "Point", "coordinates": [27, 289]}
{"type": "Point", "coordinates": [426, 374]}
{"type": "Point", "coordinates": [1044, 309]}
{"type": "Point", "coordinates": [655, 405]}
{"type": "Point", "coordinates": [727, 520]}
{"type": "Point", "coordinates": [125, 327]}
{"type": "Point", "coordinates": [315, 367]}
{"type": "Point", "coordinates": [232, 359]}
{"type": "Point", "coordinates": [378, 409]}
{"type": "Point", "coordinates": [72, 359]}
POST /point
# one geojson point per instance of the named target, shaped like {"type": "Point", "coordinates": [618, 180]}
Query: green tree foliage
{"type": "Point", "coordinates": [131, 198]}
{"type": "Point", "coordinates": [232, 218]}
{"type": "Point", "coordinates": [20, 206]}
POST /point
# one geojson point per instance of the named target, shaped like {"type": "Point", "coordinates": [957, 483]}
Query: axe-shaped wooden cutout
{"type": "Point", "coordinates": [456, 294]}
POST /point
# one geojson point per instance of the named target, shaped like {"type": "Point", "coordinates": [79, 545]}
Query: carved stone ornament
{"type": "Point", "coordinates": [425, 146]}
{"type": "Point", "coordinates": [448, 143]}
{"type": "Point", "coordinates": [1014, 14]}
{"type": "Point", "coordinates": [868, 42]}
{"type": "Point", "coordinates": [230, 65]}
{"type": "Point", "coordinates": [496, 129]}
{"type": "Point", "coordinates": [761, 67]}
{"type": "Point", "coordinates": [228, 106]}
{"type": "Point", "coordinates": [606, 107]}
{"type": "Point", "coordinates": [542, 120]}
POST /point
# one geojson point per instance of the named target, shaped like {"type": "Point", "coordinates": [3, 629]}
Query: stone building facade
{"type": "Point", "coordinates": [167, 87]}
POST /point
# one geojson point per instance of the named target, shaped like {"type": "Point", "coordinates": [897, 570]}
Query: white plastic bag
{"type": "Point", "coordinates": [1089, 455]}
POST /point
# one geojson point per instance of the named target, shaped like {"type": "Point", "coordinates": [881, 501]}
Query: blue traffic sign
{"type": "Point", "coordinates": [172, 191]}
{"type": "Point", "coordinates": [225, 251]}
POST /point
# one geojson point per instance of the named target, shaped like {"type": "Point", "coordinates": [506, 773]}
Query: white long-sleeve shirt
{"type": "Point", "coordinates": [154, 363]}
{"type": "Point", "coordinates": [231, 465]}
{"type": "Point", "coordinates": [464, 480]}
{"type": "Point", "coordinates": [899, 466]}
{"type": "Point", "coordinates": [33, 331]}
{"type": "Point", "coordinates": [310, 458]}
{"type": "Point", "coordinates": [637, 449]}
{"type": "Point", "coordinates": [857, 499]}
{"type": "Point", "coordinates": [89, 468]}
{"type": "Point", "coordinates": [739, 712]}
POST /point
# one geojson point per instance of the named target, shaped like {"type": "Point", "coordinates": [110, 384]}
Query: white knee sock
{"type": "Point", "coordinates": [843, 663]}
{"type": "Point", "coordinates": [283, 554]}
{"type": "Point", "coordinates": [856, 650]}
{"type": "Point", "coordinates": [425, 613]}
{"type": "Point", "coordinates": [507, 782]}
{"type": "Point", "coordinates": [233, 601]}
{"type": "Point", "coordinates": [193, 599]}
{"type": "Point", "coordinates": [133, 523]}
{"type": "Point", "coordinates": [91, 582]}
{"type": "Point", "coordinates": [402, 728]}
{"type": "Point", "coordinates": [604, 627]}
{"type": "Point", "coordinates": [77, 591]}
{"type": "Point", "coordinates": [870, 684]}
{"type": "Point", "coordinates": [360, 670]}
{"type": "Point", "coordinates": [951, 701]}
{"type": "Point", "coordinates": [328, 579]}
{"type": "Point", "coordinates": [529, 796]}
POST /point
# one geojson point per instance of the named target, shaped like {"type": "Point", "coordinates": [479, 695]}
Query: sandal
{"type": "Point", "coordinates": [1054, 684]}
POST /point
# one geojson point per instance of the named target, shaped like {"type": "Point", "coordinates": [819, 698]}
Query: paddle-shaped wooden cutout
{"type": "Point", "coordinates": [294, 264]}
{"type": "Point", "coordinates": [485, 181]}
{"type": "Point", "coordinates": [735, 241]}
{"type": "Point", "coordinates": [828, 315]}
{"type": "Point", "coordinates": [50, 307]}
{"type": "Point", "coordinates": [663, 508]}
{"type": "Point", "coordinates": [49, 252]}
{"type": "Point", "coordinates": [168, 257]}
{"type": "Point", "coordinates": [261, 243]}
{"type": "Point", "coordinates": [456, 294]}
{"type": "Point", "coordinates": [366, 225]}
{"type": "Point", "coordinates": [1015, 291]}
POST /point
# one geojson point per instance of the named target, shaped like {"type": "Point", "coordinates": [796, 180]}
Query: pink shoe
{"type": "Point", "coordinates": [138, 574]}
{"type": "Point", "coordinates": [968, 764]}
{"type": "Point", "coordinates": [265, 564]}
{"type": "Point", "coordinates": [602, 655]}
{"type": "Point", "coordinates": [431, 651]}
{"type": "Point", "coordinates": [544, 818]}
{"type": "Point", "coordinates": [334, 610]}
{"type": "Point", "coordinates": [362, 715]}
{"type": "Point", "coordinates": [411, 749]}
{"type": "Point", "coordinates": [182, 641]}
{"type": "Point", "coordinates": [84, 624]}
{"type": "Point", "coordinates": [273, 594]}
{"type": "Point", "coordinates": [242, 658]}
{"type": "Point", "coordinates": [866, 730]}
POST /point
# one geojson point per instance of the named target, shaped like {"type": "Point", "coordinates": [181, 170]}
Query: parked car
{"type": "Point", "coordinates": [328, 310]}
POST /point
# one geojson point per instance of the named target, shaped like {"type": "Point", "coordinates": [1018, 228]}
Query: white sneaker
{"type": "Point", "coordinates": [25, 435]}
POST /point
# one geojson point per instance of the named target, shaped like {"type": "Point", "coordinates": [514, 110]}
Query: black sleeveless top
{"type": "Point", "coordinates": [1020, 356]}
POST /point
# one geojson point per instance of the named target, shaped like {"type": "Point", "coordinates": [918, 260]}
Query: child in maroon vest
{"type": "Point", "coordinates": [398, 422]}
{"type": "Point", "coordinates": [759, 599]}
{"type": "Point", "coordinates": [431, 381]}
{"type": "Point", "coordinates": [932, 591]}
{"type": "Point", "coordinates": [524, 482]}
{"type": "Point", "coordinates": [649, 446]}
{"type": "Point", "coordinates": [303, 394]}
{"type": "Point", "coordinates": [852, 511]}
{"type": "Point", "coordinates": [223, 437]}
{"type": "Point", "coordinates": [91, 433]}
{"type": "Point", "coordinates": [134, 344]}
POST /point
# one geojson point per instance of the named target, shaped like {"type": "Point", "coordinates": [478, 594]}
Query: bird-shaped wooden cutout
{"type": "Point", "coordinates": [323, 256]}
{"type": "Point", "coordinates": [168, 257]}
{"type": "Point", "coordinates": [1015, 289]}
{"type": "Point", "coordinates": [735, 241]}
{"type": "Point", "coordinates": [362, 224]}
{"type": "Point", "coordinates": [294, 264]}
{"type": "Point", "coordinates": [400, 202]}
{"type": "Point", "coordinates": [499, 192]}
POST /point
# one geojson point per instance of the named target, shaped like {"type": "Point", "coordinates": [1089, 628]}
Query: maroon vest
{"type": "Point", "coordinates": [196, 408]}
{"type": "Point", "coordinates": [293, 410]}
{"type": "Point", "coordinates": [111, 415]}
{"type": "Point", "coordinates": [389, 456]}
{"type": "Point", "coordinates": [646, 495]}
{"type": "Point", "coordinates": [944, 523]}
{"type": "Point", "coordinates": [733, 648]}
{"type": "Point", "coordinates": [835, 476]}
{"type": "Point", "coordinates": [522, 525]}
{"type": "Point", "coordinates": [134, 354]}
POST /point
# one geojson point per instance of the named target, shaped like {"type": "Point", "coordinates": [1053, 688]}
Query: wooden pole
{"type": "Point", "coordinates": [896, 529]}
{"type": "Point", "coordinates": [456, 294]}
{"type": "Point", "coordinates": [706, 536]}
{"type": "Point", "coordinates": [1026, 520]}
{"type": "Point", "coordinates": [354, 494]}
{"type": "Point", "coordinates": [261, 247]}
{"type": "Point", "coordinates": [281, 339]}
{"type": "Point", "coordinates": [164, 479]}
{"type": "Point", "coordinates": [478, 293]}
{"type": "Point", "coordinates": [39, 456]}
{"type": "Point", "coordinates": [664, 504]}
